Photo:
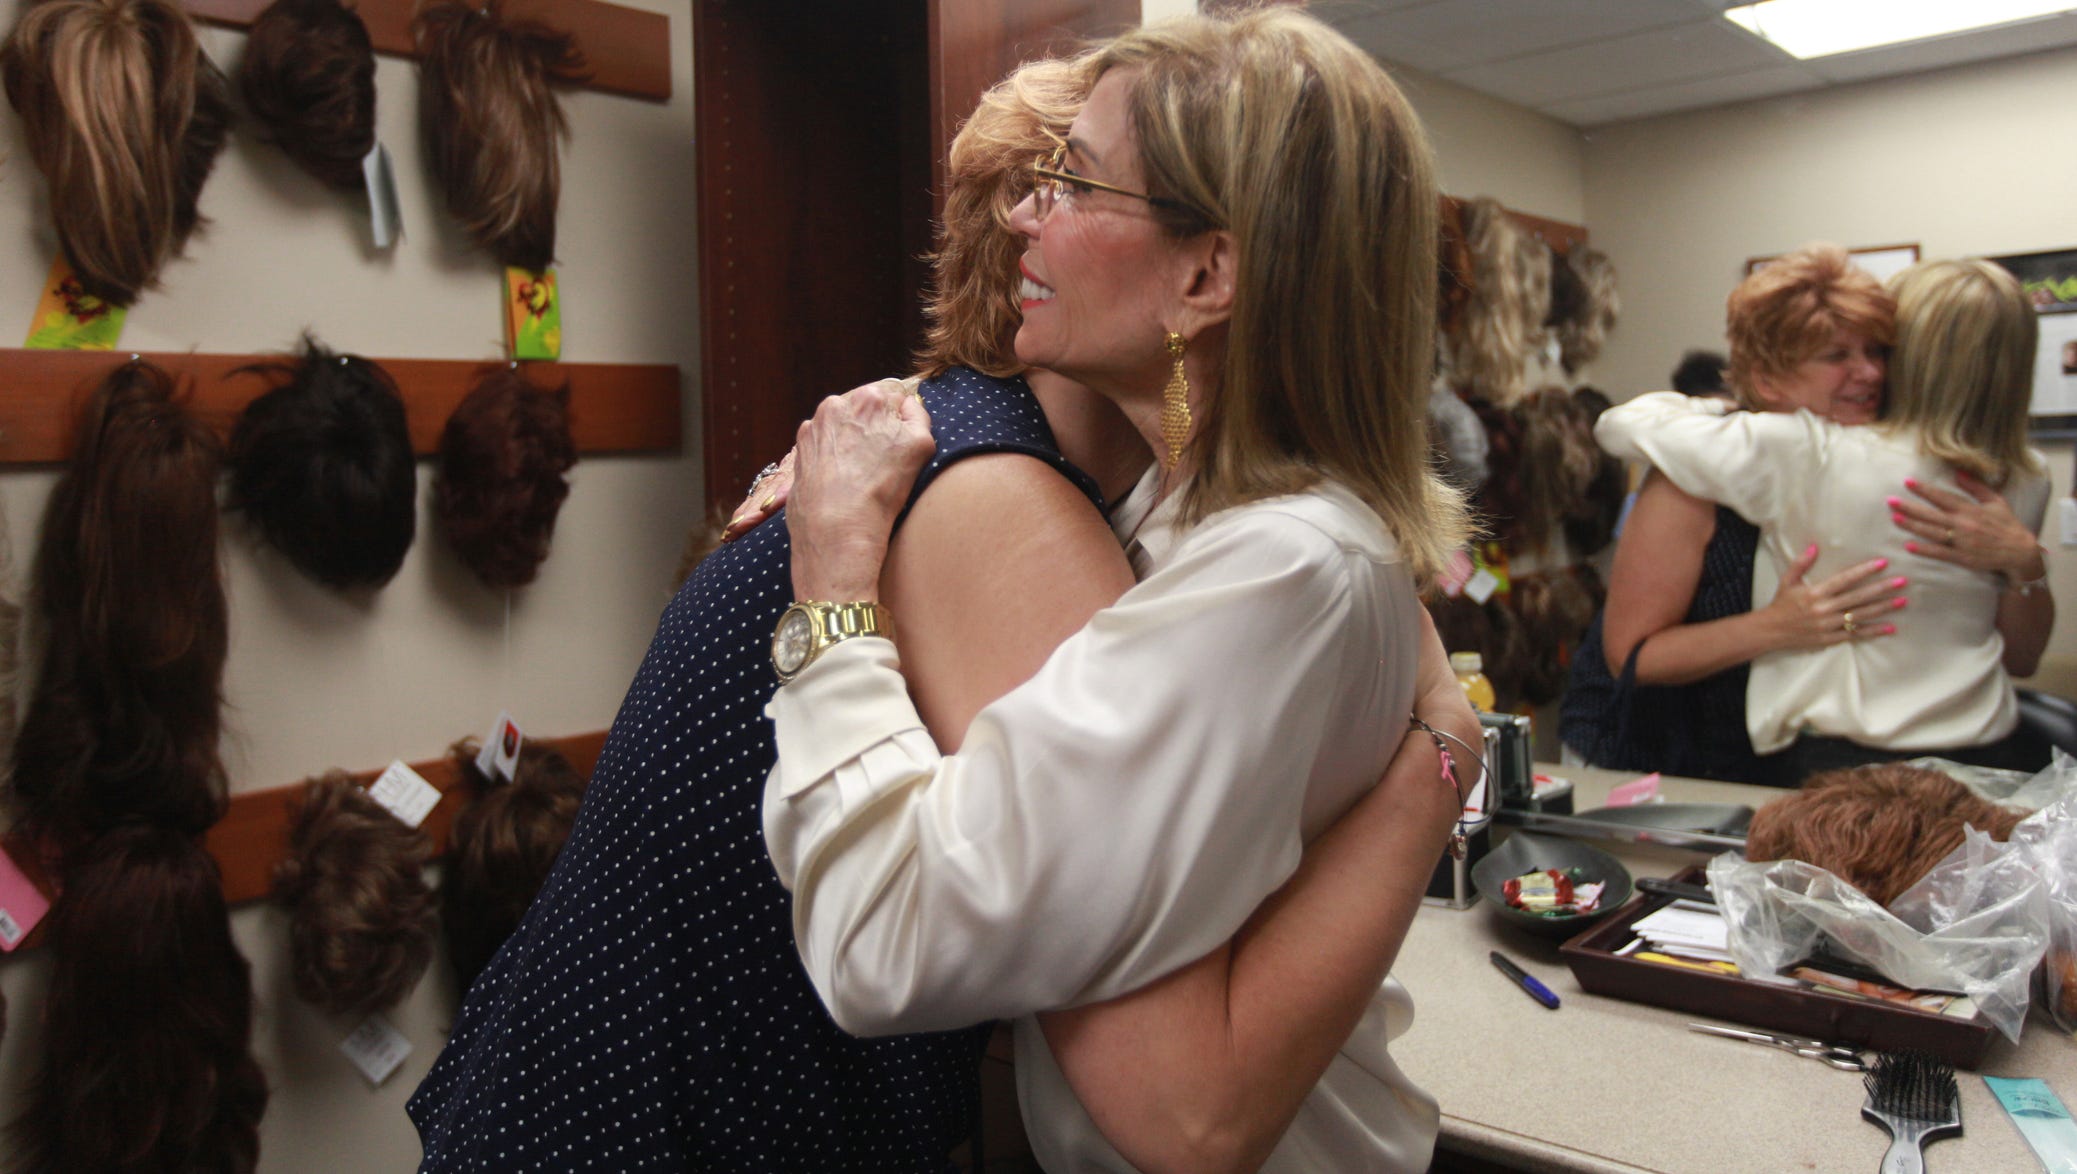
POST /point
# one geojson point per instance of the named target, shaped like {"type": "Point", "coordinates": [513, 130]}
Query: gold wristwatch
{"type": "Point", "coordinates": [810, 626]}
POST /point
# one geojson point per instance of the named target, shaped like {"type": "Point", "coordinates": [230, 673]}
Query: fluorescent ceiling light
{"type": "Point", "coordinates": [1819, 28]}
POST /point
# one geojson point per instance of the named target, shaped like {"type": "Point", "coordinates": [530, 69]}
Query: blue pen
{"type": "Point", "coordinates": [1537, 990]}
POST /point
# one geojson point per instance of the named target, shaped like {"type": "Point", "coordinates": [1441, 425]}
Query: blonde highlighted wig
{"type": "Point", "coordinates": [124, 115]}
{"type": "Point", "coordinates": [972, 304]}
{"type": "Point", "coordinates": [1274, 127]}
{"type": "Point", "coordinates": [1962, 374]}
{"type": "Point", "coordinates": [1788, 312]}
{"type": "Point", "coordinates": [1510, 298]}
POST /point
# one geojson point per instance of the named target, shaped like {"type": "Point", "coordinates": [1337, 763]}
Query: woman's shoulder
{"type": "Point", "coordinates": [972, 413]}
{"type": "Point", "coordinates": [1323, 522]}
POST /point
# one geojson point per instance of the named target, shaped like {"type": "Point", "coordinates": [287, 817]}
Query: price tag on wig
{"type": "Point", "coordinates": [376, 1048]}
{"type": "Point", "coordinates": [21, 904]}
{"type": "Point", "coordinates": [404, 793]}
{"type": "Point", "coordinates": [498, 761]}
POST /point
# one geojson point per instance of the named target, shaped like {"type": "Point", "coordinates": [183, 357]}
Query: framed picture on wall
{"type": "Point", "coordinates": [2050, 280]}
{"type": "Point", "coordinates": [1884, 261]}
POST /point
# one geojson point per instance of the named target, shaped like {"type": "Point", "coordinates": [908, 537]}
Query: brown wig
{"type": "Point", "coordinates": [1558, 461]}
{"type": "Point", "coordinates": [309, 77]}
{"type": "Point", "coordinates": [123, 723]}
{"type": "Point", "coordinates": [504, 844]}
{"type": "Point", "coordinates": [323, 468]}
{"type": "Point", "coordinates": [492, 126]}
{"type": "Point", "coordinates": [146, 1063]}
{"type": "Point", "coordinates": [500, 480]}
{"type": "Point", "coordinates": [1503, 322]}
{"type": "Point", "coordinates": [124, 115]}
{"type": "Point", "coordinates": [1583, 330]}
{"type": "Point", "coordinates": [360, 911]}
{"type": "Point", "coordinates": [1502, 498]}
{"type": "Point", "coordinates": [1454, 278]}
{"type": "Point", "coordinates": [1552, 610]}
{"type": "Point", "coordinates": [1590, 524]}
{"type": "Point", "coordinates": [1879, 828]}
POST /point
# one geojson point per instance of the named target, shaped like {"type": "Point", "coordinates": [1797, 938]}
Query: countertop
{"type": "Point", "coordinates": [1606, 1085]}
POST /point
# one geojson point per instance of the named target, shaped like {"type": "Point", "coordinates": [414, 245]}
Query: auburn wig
{"type": "Point", "coordinates": [361, 918]}
{"type": "Point", "coordinates": [122, 726]}
{"type": "Point", "coordinates": [1879, 828]}
{"type": "Point", "coordinates": [124, 115]}
{"type": "Point", "coordinates": [309, 78]}
{"type": "Point", "coordinates": [493, 126]}
{"type": "Point", "coordinates": [146, 1062]}
{"type": "Point", "coordinates": [505, 841]}
{"type": "Point", "coordinates": [322, 466]}
{"type": "Point", "coordinates": [503, 456]}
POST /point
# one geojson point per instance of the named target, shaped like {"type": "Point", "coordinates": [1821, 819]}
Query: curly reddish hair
{"type": "Point", "coordinates": [501, 475]}
{"type": "Point", "coordinates": [1789, 310]}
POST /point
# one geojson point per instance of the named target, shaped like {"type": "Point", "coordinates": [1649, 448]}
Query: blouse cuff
{"type": "Point", "coordinates": [851, 699]}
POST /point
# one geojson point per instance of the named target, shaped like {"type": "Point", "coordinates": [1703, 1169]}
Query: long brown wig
{"type": "Point", "coordinates": [124, 115]}
{"type": "Point", "coordinates": [505, 841]}
{"type": "Point", "coordinates": [501, 478]}
{"type": "Point", "coordinates": [146, 1063]}
{"type": "Point", "coordinates": [361, 918]}
{"type": "Point", "coordinates": [493, 126]}
{"type": "Point", "coordinates": [309, 78]}
{"type": "Point", "coordinates": [123, 724]}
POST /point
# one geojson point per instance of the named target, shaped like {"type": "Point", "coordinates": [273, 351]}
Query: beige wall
{"type": "Point", "coordinates": [1968, 161]}
{"type": "Point", "coordinates": [1487, 147]}
{"type": "Point", "coordinates": [317, 681]}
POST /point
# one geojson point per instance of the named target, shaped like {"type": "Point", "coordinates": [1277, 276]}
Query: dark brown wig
{"type": "Point", "coordinates": [1552, 609]}
{"type": "Point", "coordinates": [1879, 828]}
{"type": "Point", "coordinates": [309, 77]}
{"type": "Point", "coordinates": [500, 478]}
{"type": "Point", "coordinates": [124, 115]}
{"type": "Point", "coordinates": [504, 844]}
{"type": "Point", "coordinates": [322, 465]}
{"type": "Point", "coordinates": [492, 126]}
{"type": "Point", "coordinates": [361, 918]}
{"type": "Point", "coordinates": [1502, 498]}
{"type": "Point", "coordinates": [146, 1063]}
{"type": "Point", "coordinates": [1558, 460]}
{"type": "Point", "coordinates": [1590, 524]}
{"type": "Point", "coordinates": [123, 723]}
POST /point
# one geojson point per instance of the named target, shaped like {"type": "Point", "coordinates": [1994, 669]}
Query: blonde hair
{"type": "Point", "coordinates": [1962, 374]}
{"type": "Point", "coordinates": [1510, 298]}
{"type": "Point", "coordinates": [1788, 311]}
{"type": "Point", "coordinates": [1273, 126]}
{"type": "Point", "coordinates": [972, 303]}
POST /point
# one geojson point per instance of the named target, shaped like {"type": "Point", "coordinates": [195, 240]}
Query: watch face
{"type": "Point", "coordinates": [790, 644]}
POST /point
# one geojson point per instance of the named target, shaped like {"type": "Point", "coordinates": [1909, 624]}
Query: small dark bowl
{"type": "Point", "coordinates": [1525, 853]}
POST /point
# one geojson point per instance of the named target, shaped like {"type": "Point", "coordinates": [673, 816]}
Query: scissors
{"type": "Point", "coordinates": [1837, 1055]}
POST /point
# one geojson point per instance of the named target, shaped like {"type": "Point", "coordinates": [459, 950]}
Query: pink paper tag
{"type": "Point", "coordinates": [1641, 790]}
{"type": "Point", "coordinates": [1454, 574]}
{"type": "Point", "coordinates": [21, 905]}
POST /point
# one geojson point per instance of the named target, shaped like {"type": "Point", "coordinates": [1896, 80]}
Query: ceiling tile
{"type": "Point", "coordinates": [1480, 31]}
{"type": "Point", "coordinates": [1890, 60]}
{"type": "Point", "coordinates": [1587, 113]}
{"type": "Point", "coordinates": [1620, 64]}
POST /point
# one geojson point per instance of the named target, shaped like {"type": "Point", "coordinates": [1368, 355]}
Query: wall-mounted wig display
{"type": "Point", "coordinates": [502, 475]}
{"type": "Point", "coordinates": [308, 77]}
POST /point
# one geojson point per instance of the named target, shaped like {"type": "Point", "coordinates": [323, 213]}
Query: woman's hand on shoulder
{"type": "Point", "coordinates": [854, 464]}
{"type": "Point", "coordinates": [1853, 604]}
{"type": "Point", "coordinates": [766, 496]}
{"type": "Point", "coordinates": [1975, 528]}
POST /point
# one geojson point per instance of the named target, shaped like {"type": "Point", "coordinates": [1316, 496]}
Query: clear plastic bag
{"type": "Point", "coordinates": [2047, 840]}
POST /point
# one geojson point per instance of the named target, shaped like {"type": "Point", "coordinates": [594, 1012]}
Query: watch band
{"type": "Point", "coordinates": [810, 626]}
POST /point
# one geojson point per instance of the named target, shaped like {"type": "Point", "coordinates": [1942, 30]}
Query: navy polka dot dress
{"type": "Point", "coordinates": [650, 1012]}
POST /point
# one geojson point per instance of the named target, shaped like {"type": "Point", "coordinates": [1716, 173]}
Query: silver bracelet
{"type": "Point", "coordinates": [2026, 587]}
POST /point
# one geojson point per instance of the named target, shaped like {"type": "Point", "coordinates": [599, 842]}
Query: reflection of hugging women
{"type": "Point", "coordinates": [651, 1012]}
{"type": "Point", "coordinates": [1947, 464]}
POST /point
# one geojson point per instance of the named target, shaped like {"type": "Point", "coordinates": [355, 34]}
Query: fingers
{"type": "Point", "coordinates": [1839, 582]}
{"type": "Point", "coordinates": [1971, 485]}
{"type": "Point", "coordinates": [1876, 599]}
{"type": "Point", "coordinates": [1801, 567]}
{"type": "Point", "coordinates": [1940, 498]}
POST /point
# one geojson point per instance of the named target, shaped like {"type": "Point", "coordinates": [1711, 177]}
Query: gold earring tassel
{"type": "Point", "coordinates": [1175, 403]}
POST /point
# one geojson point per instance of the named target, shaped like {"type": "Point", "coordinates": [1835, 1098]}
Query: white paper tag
{"type": "Point", "coordinates": [1481, 585]}
{"type": "Point", "coordinates": [2066, 515]}
{"type": "Point", "coordinates": [376, 1048]}
{"type": "Point", "coordinates": [405, 793]}
{"type": "Point", "coordinates": [10, 933]}
{"type": "Point", "coordinates": [498, 761]}
{"type": "Point", "coordinates": [383, 221]}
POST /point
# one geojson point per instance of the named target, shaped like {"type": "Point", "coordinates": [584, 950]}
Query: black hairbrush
{"type": "Point", "coordinates": [1915, 1097]}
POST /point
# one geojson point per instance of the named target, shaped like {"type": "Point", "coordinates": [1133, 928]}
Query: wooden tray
{"type": "Point", "coordinates": [1833, 1018]}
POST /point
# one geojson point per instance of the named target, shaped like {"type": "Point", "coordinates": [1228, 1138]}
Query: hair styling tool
{"type": "Point", "coordinates": [1914, 1096]}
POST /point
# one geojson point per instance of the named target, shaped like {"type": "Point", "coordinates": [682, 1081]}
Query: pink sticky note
{"type": "Point", "coordinates": [21, 906]}
{"type": "Point", "coordinates": [1641, 790]}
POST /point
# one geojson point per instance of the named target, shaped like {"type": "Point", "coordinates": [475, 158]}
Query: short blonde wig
{"type": "Point", "coordinates": [1788, 311]}
{"type": "Point", "coordinates": [972, 304]}
{"type": "Point", "coordinates": [1503, 322]}
{"type": "Point", "coordinates": [1278, 130]}
{"type": "Point", "coordinates": [1962, 374]}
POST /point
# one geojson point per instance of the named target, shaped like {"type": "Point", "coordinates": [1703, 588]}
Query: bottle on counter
{"type": "Point", "coordinates": [1471, 677]}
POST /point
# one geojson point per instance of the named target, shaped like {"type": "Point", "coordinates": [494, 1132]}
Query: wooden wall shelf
{"type": "Point", "coordinates": [628, 51]}
{"type": "Point", "coordinates": [614, 407]}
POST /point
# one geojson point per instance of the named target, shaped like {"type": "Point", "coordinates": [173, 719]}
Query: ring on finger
{"type": "Point", "coordinates": [1950, 536]}
{"type": "Point", "coordinates": [763, 475]}
{"type": "Point", "coordinates": [1848, 624]}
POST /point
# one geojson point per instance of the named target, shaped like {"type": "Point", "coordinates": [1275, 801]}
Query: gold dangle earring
{"type": "Point", "coordinates": [1175, 403]}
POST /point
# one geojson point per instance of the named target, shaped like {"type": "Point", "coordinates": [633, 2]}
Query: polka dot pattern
{"type": "Point", "coordinates": [650, 1012]}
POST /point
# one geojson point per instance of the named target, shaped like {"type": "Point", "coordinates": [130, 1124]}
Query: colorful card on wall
{"type": "Point", "coordinates": [21, 904]}
{"type": "Point", "coordinates": [68, 318]}
{"type": "Point", "coordinates": [533, 314]}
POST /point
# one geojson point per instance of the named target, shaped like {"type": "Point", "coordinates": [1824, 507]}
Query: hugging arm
{"type": "Point", "coordinates": [1979, 529]}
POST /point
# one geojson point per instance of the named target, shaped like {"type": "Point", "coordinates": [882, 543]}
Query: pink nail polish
{"type": "Point", "coordinates": [1897, 518]}
{"type": "Point", "coordinates": [1912, 547]}
{"type": "Point", "coordinates": [1899, 581]}
{"type": "Point", "coordinates": [1882, 564]}
{"type": "Point", "coordinates": [1897, 604]}
{"type": "Point", "coordinates": [1893, 503]}
{"type": "Point", "coordinates": [1810, 550]}
{"type": "Point", "coordinates": [1910, 483]}
{"type": "Point", "coordinates": [1889, 629]}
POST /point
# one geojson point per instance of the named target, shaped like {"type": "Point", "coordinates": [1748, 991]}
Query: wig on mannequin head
{"type": "Point", "coordinates": [1583, 330]}
{"type": "Point", "coordinates": [504, 843]}
{"type": "Point", "coordinates": [309, 78]}
{"type": "Point", "coordinates": [503, 456]}
{"type": "Point", "coordinates": [124, 115]}
{"type": "Point", "coordinates": [1879, 828]}
{"type": "Point", "coordinates": [1503, 322]}
{"type": "Point", "coordinates": [492, 124]}
{"type": "Point", "coordinates": [322, 466]}
{"type": "Point", "coordinates": [360, 912]}
{"type": "Point", "coordinates": [124, 720]}
{"type": "Point", "coordinates": [145, 1062]}
{"type": "Point", "coordinates": [1558, 461]}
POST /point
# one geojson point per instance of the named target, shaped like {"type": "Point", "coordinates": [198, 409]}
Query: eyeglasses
{"type": "Point", "coordinates": [1053, 181]}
